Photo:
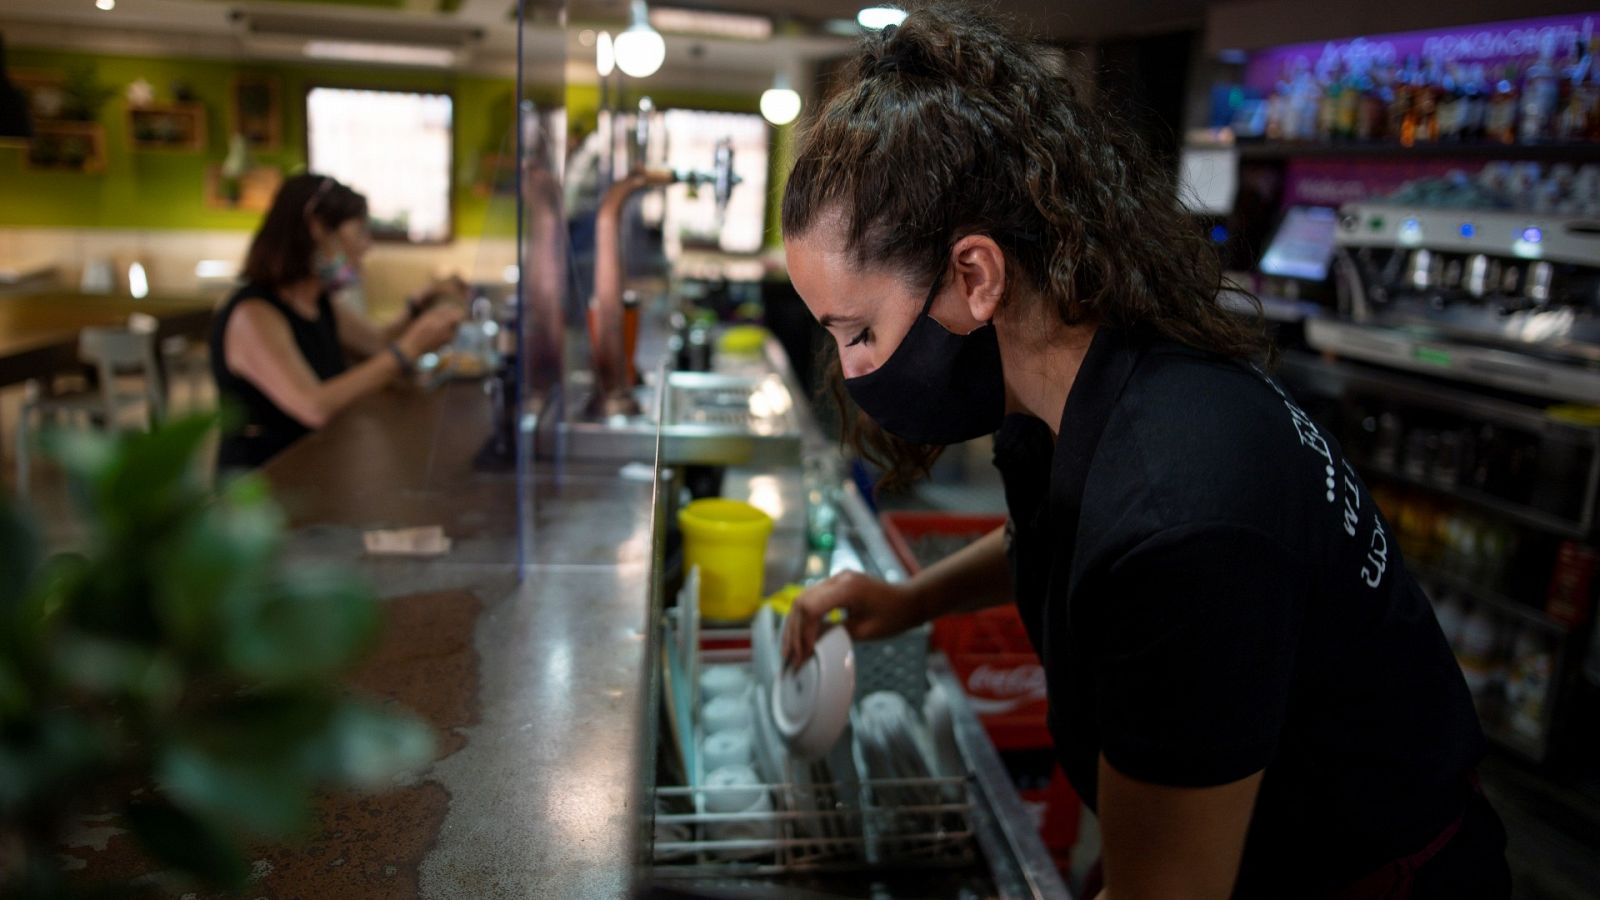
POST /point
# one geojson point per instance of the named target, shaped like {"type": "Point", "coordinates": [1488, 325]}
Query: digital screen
{"type": "Point", "coordinates": [1303, 245]}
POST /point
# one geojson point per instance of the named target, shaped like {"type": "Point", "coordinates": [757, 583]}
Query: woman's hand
{"type": "Point", "coordinates": [449, 288]}
{"type": "Point", "coordinates": [432, 330]}
{"type": "Point", "coordinates": [872, 608]}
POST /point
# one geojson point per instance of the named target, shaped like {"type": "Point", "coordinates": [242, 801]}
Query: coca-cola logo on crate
{"type": "Point", "coordinates": [994, 690]}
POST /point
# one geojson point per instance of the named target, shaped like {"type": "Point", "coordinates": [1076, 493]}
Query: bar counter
{"type": "Point", "coordinates": [535, 687]}
{"type": "Point", "coordinates": [542, 690]}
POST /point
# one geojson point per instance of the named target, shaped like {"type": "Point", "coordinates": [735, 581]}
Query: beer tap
{"type": "Point", "coordinates": [614, 374]}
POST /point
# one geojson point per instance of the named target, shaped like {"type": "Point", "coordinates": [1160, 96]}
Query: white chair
{"type": "Point", "coordinates": [113, 352]}
{"type": "Point", "coordinates": [182, 361]}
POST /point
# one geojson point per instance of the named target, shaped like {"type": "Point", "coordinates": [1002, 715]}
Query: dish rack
{"type": "Point", "coordinates": [824, 816]}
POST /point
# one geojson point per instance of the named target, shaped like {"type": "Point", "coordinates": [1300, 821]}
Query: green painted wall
{"type": "Point", "coordinates": [165, 189]}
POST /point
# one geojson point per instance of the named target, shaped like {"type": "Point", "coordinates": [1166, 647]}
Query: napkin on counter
{"type": "Point", "coordinates": [428, 540]}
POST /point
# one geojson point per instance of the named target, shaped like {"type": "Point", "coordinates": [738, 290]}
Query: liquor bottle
{"type": "Point", "coordinates": [1278, 107]}
{"type": "Point", "coordinates": [1372, 113]}
{"type": "Point", "coordinates": [1476, 103]}
{"type": "Point", "coordinates": [1541, 92]}
{"type": "Point", "coordinates": [1403, 112]}
{"type": "Point", "coordinates": [1573, 122]}
{"type": "Point", "coordinates": [1592, 91]}
{"type": "Point", "coordinates": [1450, 97]}
{"type": "Point", "coordinates": [1429, 91]}
{"type": "Point", "coordinates": [1328, 103]}
{"type": "Point", "coordinates": [1303, 105]}
{"type": "Point", "coordinates": [1349, 105]}
{"type": "Point", "coordinates": [1500, 118]}
{"type": "Point", "coordinates": [1592, 94]}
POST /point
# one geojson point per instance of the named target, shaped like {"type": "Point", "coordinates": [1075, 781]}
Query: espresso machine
{"type": "Point", "coordinates": [1505, 300]}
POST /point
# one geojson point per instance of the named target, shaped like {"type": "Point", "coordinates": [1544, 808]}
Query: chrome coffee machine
{"type": "Point", "coordinates": [1504, 299]}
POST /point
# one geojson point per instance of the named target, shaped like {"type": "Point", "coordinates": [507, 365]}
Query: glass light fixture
{"type": "Point", "coordinates": [877, 18]}
{"type": "Point", "coordinates": [640, 49]}
{"type": "Point", "coordinates": [780, 104]}
{"type": "Point", "coordinates": [605, 55]}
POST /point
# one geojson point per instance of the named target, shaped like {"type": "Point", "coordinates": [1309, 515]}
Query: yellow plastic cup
{"type": "Point", "coordinates": [727, 539]}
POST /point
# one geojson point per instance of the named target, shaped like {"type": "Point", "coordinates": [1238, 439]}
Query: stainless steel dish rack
{"type": "Point", "coordinates": [830, 828]}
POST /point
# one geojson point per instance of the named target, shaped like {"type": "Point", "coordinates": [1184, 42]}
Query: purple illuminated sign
{"type": "Point", "coordinates": [1488, 45]}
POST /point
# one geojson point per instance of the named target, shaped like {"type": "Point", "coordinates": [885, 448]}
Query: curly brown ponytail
{"type": "Point", "coordinates": [950, 124]}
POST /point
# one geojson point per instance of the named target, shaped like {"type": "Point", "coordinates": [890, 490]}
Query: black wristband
{"type": "Point", "coordinates": [400, 357]}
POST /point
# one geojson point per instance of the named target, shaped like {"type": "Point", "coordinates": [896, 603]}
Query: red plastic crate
{"type": "Point", "coordinates": [988, 650]}
{"type": "Point", "coordinates": [1059, 815]}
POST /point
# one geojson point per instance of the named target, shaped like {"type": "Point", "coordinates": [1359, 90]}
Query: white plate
{"type": "Point", "coordinates": [772, 760]}
{"type": "Point", "coordinates": [765, 656]}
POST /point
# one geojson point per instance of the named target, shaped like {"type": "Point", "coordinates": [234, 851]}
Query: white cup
{"type": "Point", "coordinates": [721, 749]}
{"type": "Point", "coordinates": [723, 681]}
{"type": "Point", "coordinates": [725, 714]}
{"type": "Point", "coordinates": [733, 789]}
{"type": "Point", "coordinates": [741, 792]}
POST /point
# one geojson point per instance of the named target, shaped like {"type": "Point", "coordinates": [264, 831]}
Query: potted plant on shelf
{"type": "Point", "coordinates": [175, 671]}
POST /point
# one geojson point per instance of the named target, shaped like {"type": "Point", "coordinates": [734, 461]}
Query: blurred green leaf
{"type": "Point", "coordinates": [177, 838]}
{"type": "Point", "coordinates": [14, 693]}
{"type": "Point", "coordinates": [19, 556]}
{"type": "Point", "coordinates": [225, 552]}
{"type": "Point", "coordinates": [179, 649]}
{"type": "Point", "coordinates": [263, 797]}
{"type": "Point", "coordinates": [367, 747]}
{"type": "Point", "coordinates": [272, 726]}
{"type": "Point", "coordinates": [312, 625]}
{"type": "Point", "coordinates": [134, 484]}
{"type": "Point", "coordinates": [116, 668]}
{"type": "Point", "coordinates": [39, 759]}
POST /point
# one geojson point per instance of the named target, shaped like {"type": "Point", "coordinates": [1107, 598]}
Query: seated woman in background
{"type": "Point", "coordinates": [282, 353]}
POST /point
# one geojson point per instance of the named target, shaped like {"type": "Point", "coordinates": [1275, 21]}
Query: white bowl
{"type": "Point", "coordinates": [737, 789]}
{"type": "Point", "coordinates": [726, 748]}
{"type": "Point", "coordinates": [811, 704]}
{"type": "Point", "coordinates": [725, 714]}
{"type": "Point", "coordinates": [733, 789]}
{"type": "Point", "coordinates": [723, 681]}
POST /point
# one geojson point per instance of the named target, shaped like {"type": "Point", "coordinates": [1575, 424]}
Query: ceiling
{"type": "Point", "coordinates": [1075, 20]}
{"type": "Point", "coordinates": [482, 37]}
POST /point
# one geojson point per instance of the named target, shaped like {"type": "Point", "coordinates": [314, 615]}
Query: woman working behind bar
{"type": "Point", "coordinates": [1244, 681]}
{"type": "Point", "coordinates": [279, 345]}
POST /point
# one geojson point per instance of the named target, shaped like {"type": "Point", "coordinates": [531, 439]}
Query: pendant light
{"type": "Point", "coordinates": [14, 119]}
{"type": "Point", "coordinates": [639, 48]}
{"type": "Point", "coordinates": [605, 55]}
{"type": "Point", "coordinates": [780, 104]}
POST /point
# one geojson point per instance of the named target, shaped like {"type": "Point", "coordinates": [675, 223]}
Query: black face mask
{"type": "Point", "coordinates": [936, 387]}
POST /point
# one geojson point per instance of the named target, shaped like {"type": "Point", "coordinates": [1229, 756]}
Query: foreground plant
{"type": "Point", "coordinates": [175, 670]}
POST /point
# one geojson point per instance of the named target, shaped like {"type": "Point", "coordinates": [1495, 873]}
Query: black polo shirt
{"type": "Point", "coordinates": [1213, 593]}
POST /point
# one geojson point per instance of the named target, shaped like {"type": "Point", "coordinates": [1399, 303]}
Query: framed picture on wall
{"type": "Point", "coordinates": [256, 111]}
{"type": "Point", "coordinates": [44, 90]}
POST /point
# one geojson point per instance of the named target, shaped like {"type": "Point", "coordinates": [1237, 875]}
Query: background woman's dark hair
{"type": "Point", "coordinates": [282, 250]}
{"type": "Point", "coordinates": [949, 125]}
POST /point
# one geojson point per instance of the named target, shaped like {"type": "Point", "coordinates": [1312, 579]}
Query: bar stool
{"type": "Point", "coordinates": [112, 352]}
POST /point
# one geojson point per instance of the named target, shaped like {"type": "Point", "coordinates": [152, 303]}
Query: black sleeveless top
{"type": "Point", "coordinates": [261, 428]}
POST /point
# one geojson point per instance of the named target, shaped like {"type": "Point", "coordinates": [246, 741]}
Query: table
{"type": "Point", "coordinates": [39, 332]}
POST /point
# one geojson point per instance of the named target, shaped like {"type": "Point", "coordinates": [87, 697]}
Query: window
{"type": "Point", "coordinates": [691, 143]}
{"type": "Point", "coordinates": [392, 146]}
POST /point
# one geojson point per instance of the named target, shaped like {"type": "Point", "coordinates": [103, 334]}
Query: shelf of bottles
{"type": "Point", "coordinates": [1492, 505]}
{"type": "Point", "coordinates": [1545, 102]}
